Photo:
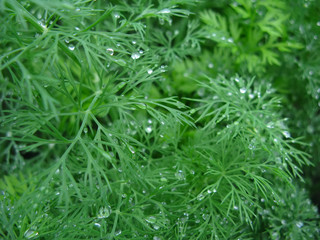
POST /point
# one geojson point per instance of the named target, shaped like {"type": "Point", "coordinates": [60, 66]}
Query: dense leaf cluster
{"type": "Point", "coordinates": [159, 119]}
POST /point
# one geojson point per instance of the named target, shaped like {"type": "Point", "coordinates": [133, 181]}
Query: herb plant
{"type": "Point", "coordinates": [159, 119]}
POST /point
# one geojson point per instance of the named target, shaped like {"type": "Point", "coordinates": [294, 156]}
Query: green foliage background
{"type": "Point", "coordinates": [144, 119]}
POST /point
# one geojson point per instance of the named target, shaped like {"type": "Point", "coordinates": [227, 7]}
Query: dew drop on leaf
{"type": "Point", "coordinates": [299, 224]}
{"type": "Point", "coordinates": [150, 71]}
{"type": "Point", "coordinates": [30, 234]}
{"type": "Point", "coordinates": [71, 47]}
{"type": "Point", "coordinates": [110, 51]}
{"type": "Point", "coordinates": [151, 219]}
{"type": "Point", "coordinates": [97, 224]}
{"type": "Point", "coordinates": [104, 212]}
{"type": "Point", "coordinates": [251, 146]}
{"type": "Point", "coordinates": [180, 175]}
{"type": "Point", "coordinates": [148, 129]}
{"type": "Point", "coordinates": [156, 227]}
{"type": "Point", "coordinates": [286, 134]}
{"type": "Point", "coordinates": [135, 56]}
{"type": "Point", "coordinates": [243, 90]}
{"type": "Point", "coordinates": [200, 197]}
{"type": "Point", "coordinates": [163, 179]}
{"type": "Point", "coordinates": [165, 11]}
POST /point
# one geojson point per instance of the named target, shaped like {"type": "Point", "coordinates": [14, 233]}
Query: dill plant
{"type": "Point", "coordinates": [120, 121]}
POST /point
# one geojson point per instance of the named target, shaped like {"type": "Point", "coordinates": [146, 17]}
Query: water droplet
{"type": "Point", "coordinates": [116, 15]}
{"type": "Point", "coordinates": [286, 134]}
{"type": "Point", "coordinates": [209, 191]}
{"type": "Point", "coordinates": [251, 146]}
{"type": "Point", "coordinates": [110, 51]}
{"type": "Point", "coordinates": [251, 95]}
{"type": "Point", "coordinates": [124, 195]}
{"type": "Point", "coordinates": [275, 140]}
{"type": "Point", "coordinates": [163, 179]}
{"type": "Point", "coordinates": [230, 40]}
{"type": "Point", "coordinates": [135, 56]}
{"type": "Point", "coordinates": [9, 134]}
{"type": "Point", "coordinates": [76, 28]}
{"type": "Point", "coordinates": [270, 125]}
{"type": "Point", "coordinates": [162, 68]}
{"type": "Point", "coordinates": [30, 234]}
{"type": "Point", "coordinates": [243, 90]}
{"type": "Point", "coordinates": [200, 197]}
{"type": "Point", "coordinates": [97, 224]}
{"type": "Point", "coordinates": [318, 24]}
{"type": "Point", "coordinates": [77, 9]}
{"type": "Point", "coordinates": [151, 219]}
{"type": "Point", "coordinates": [229, 93]}
{"type": "Point", "coordinates": [134, 42]}
{"type": "Point", "coordinates": [150, 71]}
{"type": "Point", "coordinates": [235, 207]}
{"type": "Point", "coordinates": [180, 175]}
{"type": "Point", "coordinates": [204, 216]}
{"type": "Point", "coordinates": [299, 224]}
{"type": "Point", "coordinates": [117, 233]}
{"type": "Point", "coordinates": [51, 145]}
{"type": "Point", "coordinates": [104, 212]}
{"type": "Point", "coordinates": [148, 129]}
{"type": "Point", "coordinates": [156, 238]}
{"type": "Point", "coordinates": [71, 47]}
{"type": "Point", "coordinates": [165, 11]}
{"type": "Point", "coordinates": [237, 79]}
{"type": "Point", "coordinates": [210, 65]}
{"type": "Point", "coordinates": [283, 222]}
{"type": "Point", "coordinates": [85, 130]}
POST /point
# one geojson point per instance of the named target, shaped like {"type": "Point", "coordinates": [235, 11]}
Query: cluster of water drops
{"type": "Point", "coordinates": [208, 192]}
